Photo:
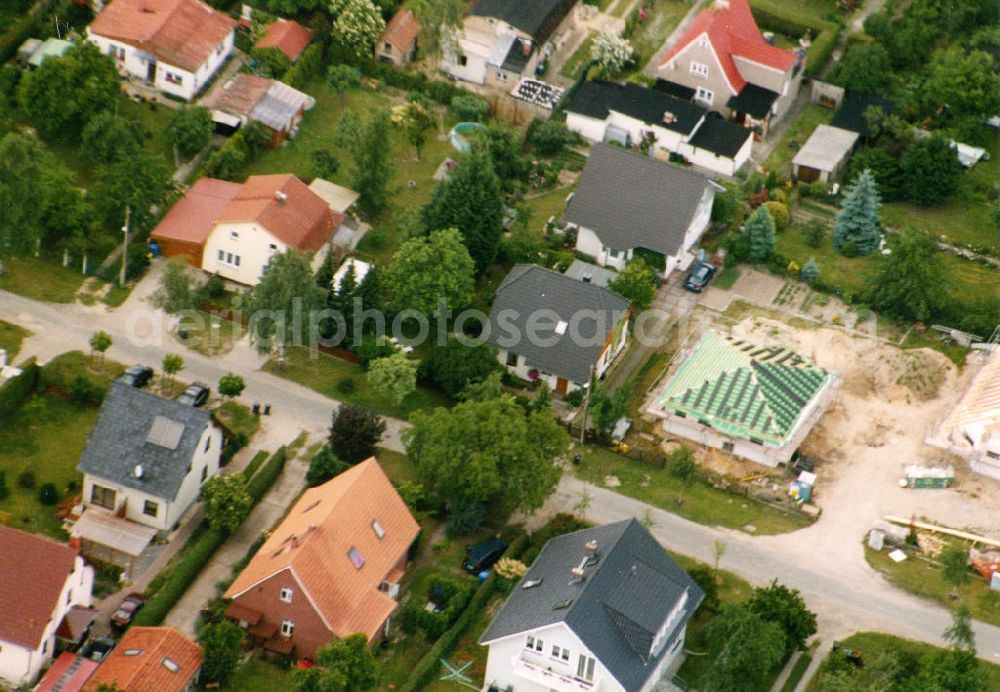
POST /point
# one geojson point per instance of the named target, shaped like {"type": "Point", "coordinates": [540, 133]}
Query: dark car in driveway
{"type": "Point", "coordinates": [137, 376]}
{"type": "Point", "coordinates": [132, 604]}
{"type": "Point", "coordinates": [483, 555]}
{"type": "Point", "coordinates": [196, 395]}
{"type": "Point", "coordinates": [698, 278]}
{"type": "Point", "coordinates": [97, 649]}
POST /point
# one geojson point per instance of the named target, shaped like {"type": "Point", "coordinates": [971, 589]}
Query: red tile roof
{"type": "Point", "coordinates": [288, 36]}
{"type": "Point", "coordinates": [314, 541]}
{"type": "Point", "coordinates": [59, 674]}
{"type": "Point", "coordinates": [182, 33]}
{"type": "Point", "coordinates": [193, 217]}
{"type": "Point", "coordinates": [402, 30]}
{"type": "Point", "coordinates": [30, 585]}
{"type": "Point", "coordinates": [733, 33]}
{"type": "Point", "coordinates": [149, 659]}
{"type": "Point", "coordinates": [286, 207]}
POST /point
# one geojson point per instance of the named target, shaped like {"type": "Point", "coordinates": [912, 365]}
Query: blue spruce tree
{"type": "Point", "coordinates": [856, 230]}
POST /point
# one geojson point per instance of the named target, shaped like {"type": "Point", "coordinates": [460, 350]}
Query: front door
{"type": "Point", "coordinates": [151, 71]}
{"type": "Point", "coordinates": [561, 386]}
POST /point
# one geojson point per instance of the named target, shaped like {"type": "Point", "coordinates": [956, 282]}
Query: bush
{"type": "Point", "coordinates": [346, 385]}
{"type": "Point", "coordinates": [17, 389]}
{"type": "Point", "coordinates": [48, 494]}
{"type": "Point", "coordinates": [548, 137]}
{"type": "Point", "coordinates": [575, 398]}
{"type": "Point", "coordinates": [309, 65]}
{"type": "Point", "coordinates": [214, 288]}
{"type": "Point", "coordinates": [682, 466]}
{"type": "Point", "coordinates": [82, 391]}
{"type": "Point", "coordinates": [453, 596]}
{"type": "Point", "coordinates": [258, 486]}
{"type": "Point", "coordinates": [258, 459]}
{"type": "Point", "coordinates": [26, 480]}
{"type": "Point", "coordinates": [138, 261]}
{"type": "Point", "coordinates": [469, 107]}
{"type": "Point", "coordinates": [466, 517]}
{"type": "Point", "coordinates": [779, 212]}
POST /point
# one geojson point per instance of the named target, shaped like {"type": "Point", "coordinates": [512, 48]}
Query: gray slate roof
{"type": "Point", "coordinates": [597, 98]}
{"type": "Point", "coordinates": [537, 18]}
{"type": "Point", "coordinates": [590, 273]}
{"type": "Point", "coordinates": [631, 201]}
{"type": "Point", "coordinates": [528, 288]}
{"type": "Point", "coordinates": [120, 440]}
{"type": "Point", "coordinates": [619, 606]}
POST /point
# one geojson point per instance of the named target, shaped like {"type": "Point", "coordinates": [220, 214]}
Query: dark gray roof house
{"type": "Point", "coordinates": [537, 18]}
{"type": "Point", "coordinates": [136, 429]}
{"type": "Point", "coordinates": [597, 98]}
{"type": "Point", "coordinates": [583, 309]}
{"type": "Point", "coordinates": [631, 201]}
{"type": "Point", "coordinates": [615, 587]}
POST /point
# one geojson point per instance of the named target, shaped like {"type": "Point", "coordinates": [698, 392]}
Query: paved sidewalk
{"type": "Point", "coordinates": [184, 615]}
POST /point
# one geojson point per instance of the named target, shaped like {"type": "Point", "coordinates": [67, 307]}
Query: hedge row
{"type": "Point", "coordinates": [790, 22]}
{"type": "Point", "coordinates": [17, 389]}
{"type": "Point", "coordinates": [309, 65]}
{"type": "Point", "coordinates": [255, 463]}
{"type": "Point", "coordinates": [173, 585]}
{"type": "Point", "coordinates": [427, 667]}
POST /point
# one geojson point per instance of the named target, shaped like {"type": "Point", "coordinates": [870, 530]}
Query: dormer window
{"type": "Point", "coordinates": [377, 528]}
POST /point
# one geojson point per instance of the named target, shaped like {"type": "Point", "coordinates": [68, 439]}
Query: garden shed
{"type": "Point", "coordinates": [824, 154]}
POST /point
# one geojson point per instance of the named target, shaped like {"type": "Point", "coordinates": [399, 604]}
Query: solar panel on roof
{"type": "Point", "coordinates": [165, 433]}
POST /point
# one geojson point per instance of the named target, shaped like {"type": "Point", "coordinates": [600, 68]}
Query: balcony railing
{"type": "Point", "coordinates": [549, 678]}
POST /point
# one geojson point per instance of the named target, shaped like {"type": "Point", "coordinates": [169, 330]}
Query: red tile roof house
{"type": "Point", "coordinates": [41, 581]}
{"type": "Point", "coordinates": [150, 659]}
{"type": "Point", "coordinates": [176, 45]}
{"type": "Point", "coordinates": [233, 230]}
{"type": "Point", "coordinates": [726, 64]}
{"type": "Point", "coordinates": [287, 35]}
{"type": "Point", "coordinates": [398, 44]}
{"type": "Point", "coordinates": [331, 569]}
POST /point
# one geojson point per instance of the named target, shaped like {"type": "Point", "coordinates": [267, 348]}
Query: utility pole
{"type": "Point", "coordinates": [586, 402]}
{"type": "Point", "coordinates": [121, 278]}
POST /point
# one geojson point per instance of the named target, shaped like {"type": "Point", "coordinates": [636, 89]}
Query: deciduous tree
{"type": "Point", "coordinates": [100, 342]}
{"type": "Point", "coordinates": [470, 200]}
{"type": "Point", "coordinates": [175, 293]}
{"type": "Point", "coordinates": [222, 643]}
{"type": "Point", "coordinates": [930, 171]}
{"type": "Point", "coordinates": [227, 502]}
{"type": "Point", "coordinates": [611, 52]}
{"type": "Point", "coordinates": [355, 432]}
{"type": "Point", "coordinates": [231, 385]}
{"type": "Point", "coordinates": [954, 561]}
{"type": "Point", "coordinates": [865, 68]}
{"type": "Point", "coordinates": [139, 183]}
{"type": "Point", "coordinates": [453, 366]}
{"type": "Point", "coordinates": [359, 24]}
{"type": "Point", "coordinates": [439, 19]}
{"type": "Point", "coordinates": [281, 304]}
{"type": "Point", "coordinates": [415, 121]}
{"type": "Point", "coordinates": [430, 270]}
{"type": "Point", "coordinates": [64, 93]}
{"type": "Point", "coordinates": [323, 466]}
{"type": "Point", "coordinates": [109, 137]}
{"type": "Point", "coordinates": [395, 376]}
{"type": "Point", "coordinates": [910, 282]}
{"type": "Point", "coordinates": [347, 665]}
{"type": "Point", "coordinates": [785, 607]}
{"type": "Point", "coordinates": [744, 649]}
{"type": "Point", "coordinates": [487, 451]}
{"type": "Point", "coordinates": [190, 129]}
{"type": "Point", "coordinates": [960, 84]}
{"type": "Point", "coordinates": [636, 284]}
{"type": "Point", "coordinates": [343, 78]}
{"type": "Point", "coordinates": [857, 224]}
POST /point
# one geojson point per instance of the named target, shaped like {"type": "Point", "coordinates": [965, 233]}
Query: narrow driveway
{"type": "Point", "coordinates": [58, 328]}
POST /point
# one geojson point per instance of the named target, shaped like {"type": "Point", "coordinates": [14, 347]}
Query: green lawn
{"type": "Point", "coordinates": [923, 578]}
{"type": "Point", "coordinates": [40, 279]}
{"type": "Point", "coordinates": [727, 277]}
{"type": "Point", "coordinates": [396, 466]}
{"type": "Point", "coordinates": [648, 36]}
{"type": "Point", "coordinates": [329, 376]}
{"type": "Point", "coordinates": [571, 68]}
{"type": "Point", "coordinates": [796, 136]}
{"type": "Point", "coordinates": [548, 205]}
{"type": "Point", "coordinates": [798, 670]}
{"type": "Point", "coordinates": [869, 644]}
{"type": "Point", "coordinates": [238, 418]}
{"type": "Point", "coordinates": [256, 675]}
{"type": "Point", "coordinates": [848, 273]}
{"type": "Point", "coordinates": [698, 501]}
{"type": "Point", "coordinates": [46, 436]}
{"type": "Point", "coordinates": [815, 8]}
{"type": "Point", "coordinates": [317, 132]}
{"type": "Point", "coordinates": [11, 337]}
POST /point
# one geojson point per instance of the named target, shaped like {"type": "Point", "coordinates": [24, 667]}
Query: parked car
{"type": "Point", "coordinates": [132, 604]}
{"type": "Point", "coordinates": [98, 649]}
{"type": "Point", "coordinates": [196, 395]}
{"type": "Point", "coordinates": [698, 278]}
{"type": "Point", "coordinates": [137, 376]}
{"type": "Point", "coordinates": [483, 555]}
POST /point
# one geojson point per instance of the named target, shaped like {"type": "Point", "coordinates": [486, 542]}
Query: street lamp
{"type": "Point", "coordinates": [121, 277]}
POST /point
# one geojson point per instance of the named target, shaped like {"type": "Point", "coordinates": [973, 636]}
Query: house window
{"type": "Point", "coordinates": [69, 596]}
{"type": "Point", "coordinates": [234, 235]}
{"type": "Point", "coordinates": [462, 61]}
{"type": "Point", "coordinates": [377, 528]}
{"type": "Point", "coordinates": [237, 258]}
{"type": "Point", "coordinates": [229, 258]}
{"type": "Point", "coordinates": [208, 443]}
{"type": "Point", "coordinates": [357, 559]}
{"type": "Point", "coordinates": [150, 508]}
{"type": "Point", "coordinates": [533, 644]}
{"type": "Point", "coordinates": [45, 647]}
{"type": "Point", "coordinates": [103, 497]}
{"type": "Point", "coordinates": [727, 446]}
{"type": "Point", "coordinates": [501, 76]}
{"type": "Point", "coordinates": [221, 256]}
{"type": "Point", "coordinates": [511, 359]}
{"type": "Point", "coordinates": [699, 69]}
{"type": "Point", "coordinates": [704, 95]}
{"type": "Point", "coordinates": [272, 247]}
{"type": "Point", "coordinates": [287, 628]}
{"type": "Point", "coordinates": [387, 47]}
{"type": "Point", "coordinates": [285, 595]}
{"type": "Point", "coordinates": [755, 441]}
{"type": "Point", "coordinates": [204, 473]}
{"type": "Point", "coordinates": [560, 652]}
{"type": "Point", "coordinates": [585, 668]}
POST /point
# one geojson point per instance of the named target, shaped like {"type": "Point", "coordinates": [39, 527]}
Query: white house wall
{"type": "Point", "coordinates": [136, 63]}
{"type": "Point", "coordinates": [589, 128]}
{"type": "Point", "coordinates": [169, 513]}
{"type": "Point", "coordinates": [253, 244]}
{"type": "Point", "coordinates": [20, 665]}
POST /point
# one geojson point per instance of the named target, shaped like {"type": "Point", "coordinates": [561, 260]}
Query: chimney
{"type": "Point", "coordinates": [590, 548]}
{"type": "Point", "coordinates": [281, 197]}
{"type": "Point", "coordinates": [576, 575]}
